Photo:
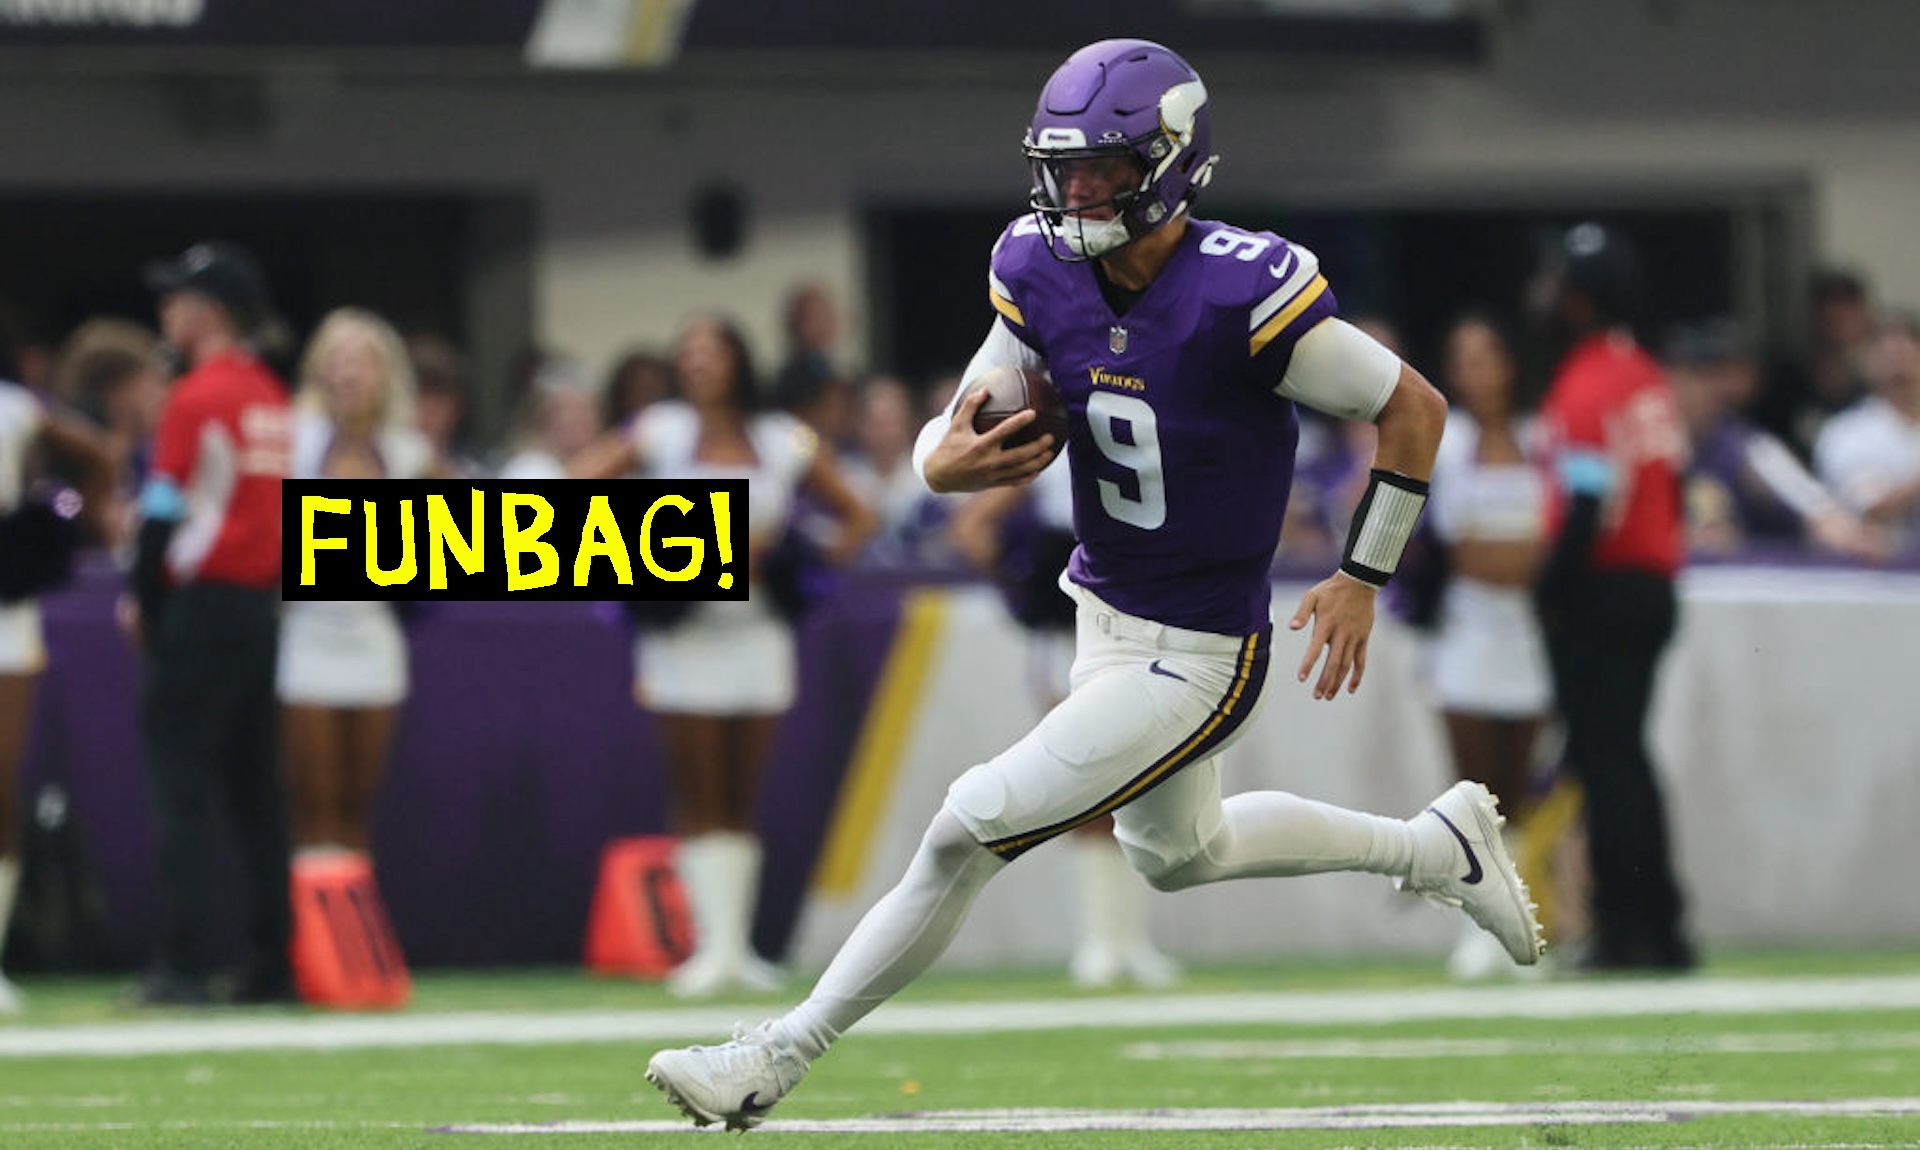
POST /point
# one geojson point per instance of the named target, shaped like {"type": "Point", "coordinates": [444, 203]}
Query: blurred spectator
{"type": "Point", "coordinates": [562, 419]}
{"type": "Point", "coordinates": [26, 354]}
{"type": "Point", "coordinates": [206, 577]}
{"type": "Point", "coordinates": [718, 677]}
{"type": "Point", "coordinates": [880, 472]}
{"type": "Point", "coordinates": [939, 394]}
{"type": "Point", "coordinates": [1023, 537]}
{"type": "Point", "coordinates": [343, 664]}
{"type": "Point", "coordinates": [440, 405]}
{"type": "Point", "coordinates": [811, 382]}
{"type": "Point", "coordinates": [1804, 392]}
{"type": "Point", "coordinates": [1321, 466]}
{"type": "Point", "coordinates": [638, 380]}
{"type": "Point", "coordinates": [1487, 660]}
{"type": "Point", "coordinates": [1870, 455]}
{"type": "Point", "coordinates": [812, 329]}
{"type": "Point", "coordinates": [1606, 595]}
{"type": "Point", "coordinates": [113, 371]}
{"type": "Point", "coordinates": [523, 371]}
{"type": "Point", "coordinates": [37, 539]}
{"type": "Point", "coordinates": [1744, 485]}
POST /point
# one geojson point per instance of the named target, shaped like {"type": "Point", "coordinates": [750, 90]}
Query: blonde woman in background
{"type": "Point", "coordinates": [719, 680]}
{"type": "Point", "coordinates": [343, 665]}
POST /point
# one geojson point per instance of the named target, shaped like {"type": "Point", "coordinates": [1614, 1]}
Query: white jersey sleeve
{"type": "Point", "coordinates": [1341, 370]}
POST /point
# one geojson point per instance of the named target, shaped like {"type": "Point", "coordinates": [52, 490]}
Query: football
{"type": "Point", "coordinates": [1012, 389]}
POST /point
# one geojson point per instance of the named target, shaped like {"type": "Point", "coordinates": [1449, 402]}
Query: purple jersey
{"type": "Point", "coordinates": [1181, 449]}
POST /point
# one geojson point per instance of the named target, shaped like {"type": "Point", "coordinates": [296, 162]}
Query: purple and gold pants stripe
{"type": "Point", "coordinates": [1228, 715]}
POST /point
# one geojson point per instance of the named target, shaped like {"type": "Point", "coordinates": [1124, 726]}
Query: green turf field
{"type": "Point", "coordinates": [1757, 1051]}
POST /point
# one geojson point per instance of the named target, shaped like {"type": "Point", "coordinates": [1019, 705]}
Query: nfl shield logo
{"type": "Point", "coordinates": [1117, 340]}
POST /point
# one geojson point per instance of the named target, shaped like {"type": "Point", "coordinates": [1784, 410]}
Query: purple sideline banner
{"type": "Point", "coordinates": [520, 754]}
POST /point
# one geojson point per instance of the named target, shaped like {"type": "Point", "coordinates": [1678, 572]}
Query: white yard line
{"type": "Point", "coordinates": [1611, 999]}
{"type": "Point", "coordinates": [1433, 1115]}
{"type": "Point", "coordinates": [1775, 1042]}
{"type": "Point", "coordinates": [1415, 1115]}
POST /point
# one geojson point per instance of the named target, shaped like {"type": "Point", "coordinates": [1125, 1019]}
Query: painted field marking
{"type": "Point", "coordinates": [1784, 1042]}
{"type": "Point", "coordinates": [1408, 1116]}
{"type": "Point", "coordinates": [1617, 999]}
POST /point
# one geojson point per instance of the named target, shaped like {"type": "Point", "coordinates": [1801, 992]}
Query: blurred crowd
{"type": "Point", "coordinates": [1819, 450]}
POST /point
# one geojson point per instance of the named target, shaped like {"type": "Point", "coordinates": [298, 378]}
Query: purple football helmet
{"type": "Point", "coordinates": [1118, 99]}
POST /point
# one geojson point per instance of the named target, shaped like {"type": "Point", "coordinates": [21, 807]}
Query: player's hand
{"type": "Point", "coordinates": [967, 460]}
{"type": "Point", "coordinates": [1341, 609]}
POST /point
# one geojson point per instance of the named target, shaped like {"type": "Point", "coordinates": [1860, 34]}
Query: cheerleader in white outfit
{"type": "Point", "coordinates": [26, 422]}
{"type": "Point", "coordinates": [1488, 663]}
{"type": "Point", "coordinates": [343, 665]}
{"type": "Point", "coordinates": [719, 681]}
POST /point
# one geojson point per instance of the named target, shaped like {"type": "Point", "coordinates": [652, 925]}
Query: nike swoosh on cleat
{"type": "Point", "coordinates": [751, 1104]}
{"type": "Point", "coordinates": [1474, 873]}
{"type": "Point", "coordinates": [1157, 669]}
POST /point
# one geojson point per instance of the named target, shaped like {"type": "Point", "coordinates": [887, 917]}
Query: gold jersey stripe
{"type": "Point", "coordinates": [1006, 307]}
{"type": "Point", "coordinates": [1288, 314]}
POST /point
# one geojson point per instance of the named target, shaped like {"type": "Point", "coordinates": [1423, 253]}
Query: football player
{"type": "Point", "coordinates": [1181, 347]}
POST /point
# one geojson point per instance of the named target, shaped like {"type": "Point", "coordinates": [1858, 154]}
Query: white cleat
{"type": "Point", "coordinates": [736, 1082]}
{"type": "Point", "coordinates": [1478, 875]}
{"type": "Point", "coordinates": [9, 997]}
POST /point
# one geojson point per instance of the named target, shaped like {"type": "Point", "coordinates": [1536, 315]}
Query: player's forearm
{"type": "Point", "coordinates": [1410, 427]}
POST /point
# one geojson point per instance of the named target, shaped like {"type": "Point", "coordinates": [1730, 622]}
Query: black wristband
{"type": "Point", "coordinates": [1382, 524]}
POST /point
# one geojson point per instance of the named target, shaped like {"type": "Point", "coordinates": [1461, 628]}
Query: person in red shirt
{"type": "Point", "coordinates": [206, 581]}
{"type": "Point", "coordinates": [1617, 449]}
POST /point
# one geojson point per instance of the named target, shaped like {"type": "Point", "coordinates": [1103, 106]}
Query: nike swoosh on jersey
{"type": "Point", "coordinates": [1474, 873]}
{"type": "Point", "coordinates": [1157, 669]}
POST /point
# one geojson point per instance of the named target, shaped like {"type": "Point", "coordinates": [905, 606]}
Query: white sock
{"type": "Point", "coordinates": [1272, 834]}
{"type": "Point", "coordinates": [720, 871]}
{"type": "Point", "coordinates": [1112, 896]}
{"type": "Point", "coordinates": [899, 938]}
{"type": "Point", "coordinates": [9, 887]}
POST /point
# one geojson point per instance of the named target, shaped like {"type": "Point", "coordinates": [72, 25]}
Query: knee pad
{"type": "Point", "coordinates": [1161, 872]}
{"type": "Point", "coordinates": [948, 844]}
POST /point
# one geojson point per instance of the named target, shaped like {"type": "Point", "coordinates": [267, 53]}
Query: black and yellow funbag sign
{"type": "Point", "coordinates": [511, 539]}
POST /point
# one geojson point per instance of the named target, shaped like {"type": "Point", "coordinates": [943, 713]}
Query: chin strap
{"type": "Point", "coordinates": [1095, 238]}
